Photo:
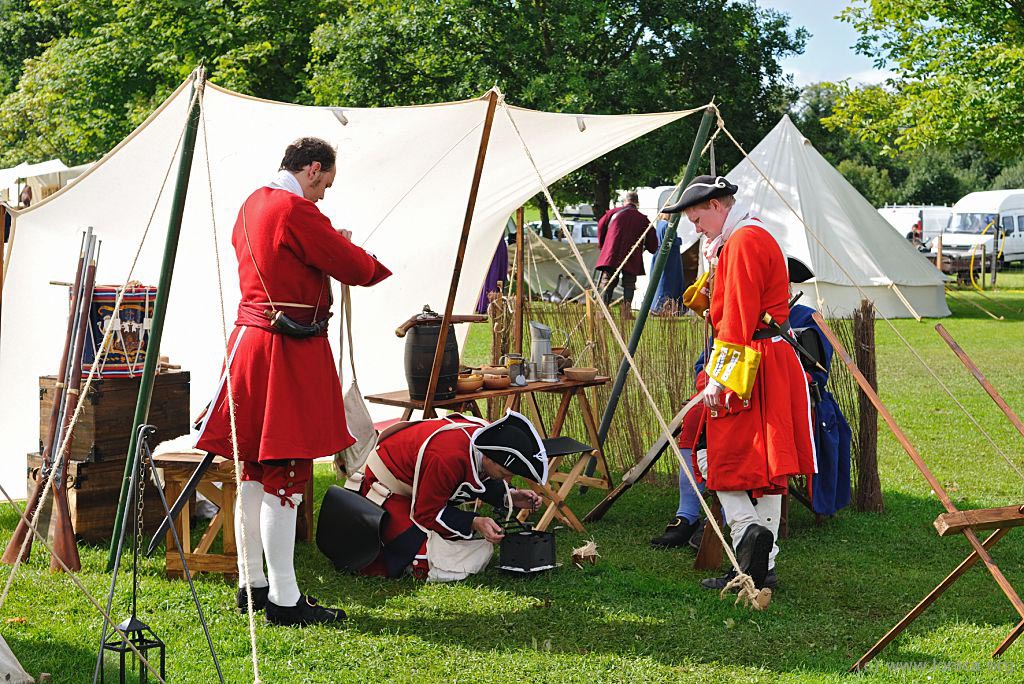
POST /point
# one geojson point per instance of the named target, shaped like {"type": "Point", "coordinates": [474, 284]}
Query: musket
{"type": "Point", "coordinates": [65, 548]}
{"type": "Point", "coordinates": [22, 536]}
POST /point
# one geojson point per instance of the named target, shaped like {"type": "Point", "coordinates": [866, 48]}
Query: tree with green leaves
{"type": "Point", "coordinates": [570, 55]}
{"type": "Point", "coordinates": [958, 75]}
{"type": "Point", "coordinates": [113, 61]}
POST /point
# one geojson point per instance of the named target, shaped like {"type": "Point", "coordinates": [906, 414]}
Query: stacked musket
{"type": "Point", "coordinates": [60, 433]}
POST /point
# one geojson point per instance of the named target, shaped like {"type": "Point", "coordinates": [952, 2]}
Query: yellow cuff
{"type": "Point", "coordinates": [734, 366]}
{"type": "Point", "coordinates": [698, 296]}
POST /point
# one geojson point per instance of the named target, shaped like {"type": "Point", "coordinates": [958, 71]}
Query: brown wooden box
{"type": "Point", "coordinates": [103, 431]}
{"type": "Point", "coordinates": [92, 498]}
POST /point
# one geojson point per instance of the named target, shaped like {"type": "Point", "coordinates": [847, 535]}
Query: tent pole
{"type": "Point", "coordinates": [188, 147]}
{"type": "Point", "coordinates": [652, 284]}
{"type": "Point", "coordinates": [517, 331]}
{"type": "Point", "coordinates": [442, 335]}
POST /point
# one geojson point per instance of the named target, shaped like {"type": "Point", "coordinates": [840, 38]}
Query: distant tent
{"type": "Point", "coordinates": [878, 259]}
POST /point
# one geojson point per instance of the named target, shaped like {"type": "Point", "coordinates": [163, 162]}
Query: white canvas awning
{"type": "Point", "coordinates": [402, 186]}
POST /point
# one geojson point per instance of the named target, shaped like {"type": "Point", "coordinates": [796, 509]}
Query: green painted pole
{"type": "Point", "coordinates": [652, 284]}
{"type": "Point", "coordinates": [188, 147]}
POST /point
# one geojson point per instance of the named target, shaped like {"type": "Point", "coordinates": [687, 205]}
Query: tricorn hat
{"type": "Point", "coordinates": [513, 442]}
{"type": "Point", "coordinates": [799, 272]}
{"type": "Point", "coordinates": [702, 189]}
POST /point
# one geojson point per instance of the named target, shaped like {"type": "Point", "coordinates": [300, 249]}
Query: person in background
{"type": "Point", "coordinates": [617, 232]}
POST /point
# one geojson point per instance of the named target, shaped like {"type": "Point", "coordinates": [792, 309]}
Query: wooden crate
{"type": "Point", "coordinates": [93, 495]}
{"type": "Point", "coordinates": [103, 431]}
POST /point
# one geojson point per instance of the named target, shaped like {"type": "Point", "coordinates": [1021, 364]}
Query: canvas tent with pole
{"type": "Point", "coordinates": [852, 246]}
{"type": "Point", "coordinates": [402, 186]}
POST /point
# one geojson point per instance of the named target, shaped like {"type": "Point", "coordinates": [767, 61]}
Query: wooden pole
{"type": "Point", "coordinates": [869, 487]}
{"type": "Point", "coordinates": [442, 335]}
{"type": "Point", "coordinates": [517, 330]}
{"type": "Point", "coordinates": [980, 377]}
{"type": "Point", "coordinates": [188, 147]}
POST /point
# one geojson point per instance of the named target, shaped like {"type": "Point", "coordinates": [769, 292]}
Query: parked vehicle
{"type": "Point", "coordinates": [992, 219]}
{"type": "Point", "coordinates": [583, 230]}
{"type": "Point", "coordinates": [919, 223]}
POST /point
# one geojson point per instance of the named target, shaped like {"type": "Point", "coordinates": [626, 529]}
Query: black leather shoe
{"type": "Point", "coordinates": [306, 612]}
{"type": "Point", "coordinates": [753, 551]}
{"type": "Point", "coordinates": [259, 599]}
{"type": "Point", "coordinates": [677, 533]}
{"type": "Point", "coordinates": [718, 583]}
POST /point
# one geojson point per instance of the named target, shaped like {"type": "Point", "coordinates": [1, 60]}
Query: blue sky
{"type": "Point", "coordinates": [829, 54]}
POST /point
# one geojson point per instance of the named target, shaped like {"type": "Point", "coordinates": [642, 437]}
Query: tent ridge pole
{"type": "Point", "coordinates": [163, 291]}
{"type": "Point", "coordinates": [442, 335]}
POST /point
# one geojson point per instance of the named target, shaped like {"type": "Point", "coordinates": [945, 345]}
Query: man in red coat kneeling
{"type": "Point", "coordinates": [288, 401]}
{"type": "Point", "coordinates": [758, 427]}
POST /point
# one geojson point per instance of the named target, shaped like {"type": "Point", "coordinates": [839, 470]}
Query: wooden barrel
{"type": "Point", "coordinates": [420, 345]}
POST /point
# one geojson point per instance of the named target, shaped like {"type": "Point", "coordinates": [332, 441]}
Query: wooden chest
{"type": "Point", "coordinates": [103, 431]}
{"type": "Point", "coordinates": [93, 495]}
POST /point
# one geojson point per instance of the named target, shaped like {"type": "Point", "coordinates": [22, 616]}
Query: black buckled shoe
{"type": "Point", "coordinates": [677, 533]}
{"type": "Point", "coordinates": [306, 612]}
{"type": "Point", "coordinates": [698, 534]}
{"type": "Point", "coordinates": [718, 583]}
{"type": "Point", "coordinates": [753, 551]}
{"type": "Point", "coordinates": [259, 599]}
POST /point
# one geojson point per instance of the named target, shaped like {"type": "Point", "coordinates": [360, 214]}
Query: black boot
{"type": "Point", "coordinates": [259, 599]}
{"type": "Point", "coordinates": [677, 533]}
{"type": "Point", "coordinates": [753, 551]}
{"type": "Point", "coordinates": [306, 612]}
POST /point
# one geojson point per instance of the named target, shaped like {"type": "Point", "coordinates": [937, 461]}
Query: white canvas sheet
{"type": "Point", "coordinates": [402, 187]}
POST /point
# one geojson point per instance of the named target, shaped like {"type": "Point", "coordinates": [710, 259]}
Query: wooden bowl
{"type": "Point", "coordinates": [492, 382]}
{"type": "Point", "coordinates": [494, 370]}
{"type": "Point", "coordinates": [469, 383]}
{"type": "Point", "coordinates": [561, 351]}
{"type": "Point", "coordinates": [580, 374]}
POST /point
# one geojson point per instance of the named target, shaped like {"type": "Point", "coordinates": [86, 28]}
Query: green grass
{"type": "Point", "coordinates": [638, 615]}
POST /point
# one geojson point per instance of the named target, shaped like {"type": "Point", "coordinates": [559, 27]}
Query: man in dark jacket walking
{"type": "Point", "coordinates": [617, 232]}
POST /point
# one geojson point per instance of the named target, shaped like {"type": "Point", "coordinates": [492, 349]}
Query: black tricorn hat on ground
{"type": "Point", "coordinates": [513, 442]}
{"type": "Point", "coordinates": [799, 272]}
{"type": "Point", "coordinates": [702, 189]}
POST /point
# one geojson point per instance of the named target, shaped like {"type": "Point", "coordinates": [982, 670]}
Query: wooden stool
{"type": "Point", "coordinates": [557, 449]}
{"type": "Point", "coordinates": [217, 485]}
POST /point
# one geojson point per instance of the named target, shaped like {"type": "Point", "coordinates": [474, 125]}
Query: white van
{"type": "Point", "coordinates": [994, 218]}
{"type": "Point", "coordinates": [905, 217]}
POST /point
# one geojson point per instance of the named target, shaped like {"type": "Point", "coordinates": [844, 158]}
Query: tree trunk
{"type": "Point", "coordinates": [602, 192]}
{"type": "Point", "coordinates": [545, 222]}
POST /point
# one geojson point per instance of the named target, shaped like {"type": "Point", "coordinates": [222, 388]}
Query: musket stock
{"type": "Point", "coordinates": [22, 536]}
{"type": "Point", "coordinates": [65, 548]}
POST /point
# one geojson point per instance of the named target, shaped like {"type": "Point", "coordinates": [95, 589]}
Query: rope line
{"type": "Point", "coordinates": [747, 591]}
{"type": "Point", "coordinates": [239, 509]}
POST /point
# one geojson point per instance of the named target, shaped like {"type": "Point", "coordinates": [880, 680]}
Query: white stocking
{"type": "Point", "coordinates": [250, 498]}
{"type": "Point", "coordinates": [277, 523]}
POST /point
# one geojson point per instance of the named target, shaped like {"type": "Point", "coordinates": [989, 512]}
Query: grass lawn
{"type": "Point", "coordinates": [638, 615]}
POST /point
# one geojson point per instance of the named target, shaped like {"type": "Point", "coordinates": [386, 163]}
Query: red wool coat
{"type": "Point", "coordinates": [757, 447]}
{"type": "Point", "coordinates": [288, 401]}
{"type": "Point", "coordinates": [617, 232]}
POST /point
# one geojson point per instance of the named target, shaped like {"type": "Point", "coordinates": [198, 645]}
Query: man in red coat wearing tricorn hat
{"type": "Point", "coordinates": [758, 429]}
{"type": "Point", "coordinates": [288, 400]}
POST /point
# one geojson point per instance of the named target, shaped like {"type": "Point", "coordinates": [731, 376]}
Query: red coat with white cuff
{"type": "Point", "coordinates": [450, 475]}
{"type": "Point", "coordinates": [288, 400]}
{"type": "Point", "coordinates": [757, 444]}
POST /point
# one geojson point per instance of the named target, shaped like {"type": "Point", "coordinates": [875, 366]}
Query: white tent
{"type": "Point", "coordinates": [11, 177]}
{"type": "Point", "coordinates": [402, 186]}
{"type": "Point", "coordinates": [11, 671]}
{"type": "Point", "coordinates": [867, 251]}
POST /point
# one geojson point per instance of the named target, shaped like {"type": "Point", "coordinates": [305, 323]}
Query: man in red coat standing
{"type": "Point", "coordinates": [288, 401]}
{"type": "Point", "coordinates": [758, 430]}
{"type": "Point", "coordinates": [617, 232]}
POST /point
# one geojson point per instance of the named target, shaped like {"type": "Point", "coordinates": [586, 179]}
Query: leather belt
{"type": "Point", "coordinates": [768, 333]}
